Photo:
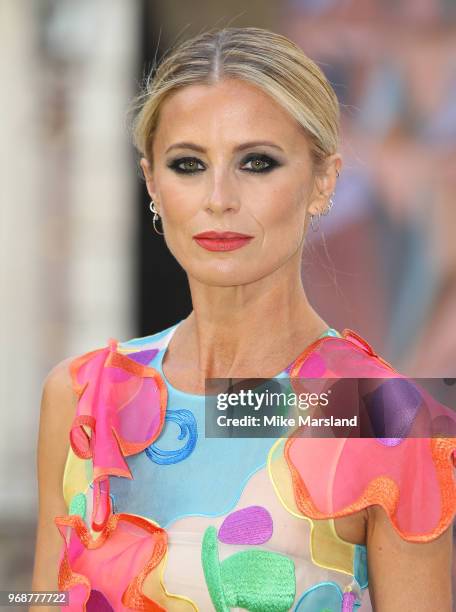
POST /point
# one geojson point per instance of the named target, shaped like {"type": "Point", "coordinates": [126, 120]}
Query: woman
{"type": "Point", "coordinates": [238, 133]}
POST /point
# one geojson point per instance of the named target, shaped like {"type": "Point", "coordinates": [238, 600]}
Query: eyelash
{"type": "Point", "coordinates": [174, 165]}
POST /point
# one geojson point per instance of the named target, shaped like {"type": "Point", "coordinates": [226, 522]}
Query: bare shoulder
{"type": "Point", "coordinates": [58, 380]}
{"type": "Point", "coordinates": [58, 408]}
{"type": "Point", "coordinates": [58, 402]}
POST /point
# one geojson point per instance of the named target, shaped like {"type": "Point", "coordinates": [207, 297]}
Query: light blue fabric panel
{"type": "Point", "coordinates": [183, 473]}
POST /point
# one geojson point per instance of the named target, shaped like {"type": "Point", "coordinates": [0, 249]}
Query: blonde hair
{"type": "Point", "coordinates": [267, 59]}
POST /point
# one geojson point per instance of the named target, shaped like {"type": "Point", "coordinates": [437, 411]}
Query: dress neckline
{"type": "Point", "coordinates": [329, 332]}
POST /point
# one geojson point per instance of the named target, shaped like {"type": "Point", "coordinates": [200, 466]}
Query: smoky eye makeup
{"type": "Point", "coordinates": [254, 163]}
{"type": "Point", "coordinates": [186, 165]}
{"type": "Point", "coordinates": [260, 163]}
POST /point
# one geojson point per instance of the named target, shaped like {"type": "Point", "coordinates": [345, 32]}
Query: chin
{"type": "Point", "coordinates": [224, 275]}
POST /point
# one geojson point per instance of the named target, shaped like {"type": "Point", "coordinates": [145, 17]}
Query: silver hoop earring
{"type": "Point", "coordinates": [312, 222]}
{"type": "Point", "coordinates": [328, 208]}
{"type": "Point", "coordinates": [325, 212]}
{"type": "Point", "coordinates": [155, 217]}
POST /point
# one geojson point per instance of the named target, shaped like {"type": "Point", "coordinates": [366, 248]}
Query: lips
{"type": "Point", "coordinates": [222, 241]}
{"type": "Point", "coordinates": [221, 235]}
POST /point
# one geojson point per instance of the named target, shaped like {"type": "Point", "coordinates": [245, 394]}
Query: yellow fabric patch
{"type": "Point", "coordinates": [76, 477]}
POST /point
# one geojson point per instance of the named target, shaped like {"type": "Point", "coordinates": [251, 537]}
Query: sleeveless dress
{"type": "Point", "coordinates": [161, 517]}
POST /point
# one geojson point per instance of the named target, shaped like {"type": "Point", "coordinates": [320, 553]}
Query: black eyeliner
{"type": "Point", "coordinates": [272, 163]}
{"type": "Point", "coordinates": [174, 165]}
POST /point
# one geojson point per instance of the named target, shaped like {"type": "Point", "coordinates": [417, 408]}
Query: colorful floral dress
{"type": "Point", "coordinates": [161, 517]}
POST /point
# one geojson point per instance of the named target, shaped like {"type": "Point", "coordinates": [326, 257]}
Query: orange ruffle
{"type": "Point", "coordinates": [128, 535]}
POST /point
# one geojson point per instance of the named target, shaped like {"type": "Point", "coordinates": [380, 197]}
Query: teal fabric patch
{"type": "Point", "coordinates": [78, 505]}
{"type": "Point", "coordinates": [252, 579]}
{"type": "Point", "coordinates": [211, 567]}
{"type": "Point", "coordinates": [360, 565]}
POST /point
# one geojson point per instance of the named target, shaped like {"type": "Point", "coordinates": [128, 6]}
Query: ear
{"type": "Point", "coordinates": [324, 186]}
{"type": "Point", "coordinates": [148, 177]}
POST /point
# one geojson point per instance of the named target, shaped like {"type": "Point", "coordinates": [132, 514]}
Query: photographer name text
{"type": "Point", "coordinates": [281, 421]}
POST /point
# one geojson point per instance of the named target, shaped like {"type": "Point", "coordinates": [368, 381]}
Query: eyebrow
{"type": "Point", "coordinates": [241, 147]}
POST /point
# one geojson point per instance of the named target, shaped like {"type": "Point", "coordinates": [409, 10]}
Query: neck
{"type": "Point", "coordinates": [252, 330]}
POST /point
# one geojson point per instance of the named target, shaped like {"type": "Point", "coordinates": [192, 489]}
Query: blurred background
{"type": "Point", "coordinates": [80, 260]}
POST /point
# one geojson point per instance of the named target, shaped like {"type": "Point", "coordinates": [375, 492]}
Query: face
{"type": "Point", "coordinates": [228, 158]}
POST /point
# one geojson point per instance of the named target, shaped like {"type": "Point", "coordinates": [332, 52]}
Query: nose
{"type": "Point", "coordinates": [223, 196]}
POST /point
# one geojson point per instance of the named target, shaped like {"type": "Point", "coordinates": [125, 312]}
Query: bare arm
{"type": "Point", "coordinates": [407, 575]}
{"type": "Point", "coordinates": [58, 406]}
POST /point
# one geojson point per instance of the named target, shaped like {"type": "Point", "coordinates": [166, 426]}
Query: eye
{"type": "Point", "coordinates": [185, 165]}
{"type": "Point", "coordinates": [261, 163]}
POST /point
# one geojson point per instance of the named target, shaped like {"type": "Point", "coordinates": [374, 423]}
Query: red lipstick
{"type": "Point", "coordinates": [222, 241]}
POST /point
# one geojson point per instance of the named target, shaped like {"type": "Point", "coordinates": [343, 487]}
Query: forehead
{"type": "Point", "coordinates": [231, 109]}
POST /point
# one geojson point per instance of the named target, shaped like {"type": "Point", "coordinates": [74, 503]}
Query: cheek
{"type": "Point", "coordinates": [179, 206]}
{"type": "Point", "coordinates": [282, 220]}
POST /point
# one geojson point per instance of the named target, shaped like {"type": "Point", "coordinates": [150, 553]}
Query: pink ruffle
{"type": "Point", "coordinates": [107, 573]}
{"type": "Point", "coordinates": [121, 410]}
{"type": "Point", "coordinates": [411, 477]}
